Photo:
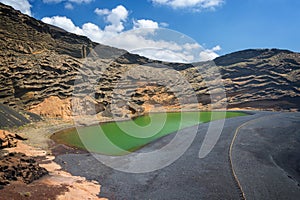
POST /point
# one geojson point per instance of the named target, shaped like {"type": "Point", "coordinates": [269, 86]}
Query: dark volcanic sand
{"type": "Point", "coordinates": [265, 157]}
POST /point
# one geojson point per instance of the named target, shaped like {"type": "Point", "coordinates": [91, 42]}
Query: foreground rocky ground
{"type": "Point", "coordinates": [29, 172]}
{"type": "Point", "coordinates": [19, 167]}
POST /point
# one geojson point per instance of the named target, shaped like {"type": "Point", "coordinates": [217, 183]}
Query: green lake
{"type": "Point", "coordinates": [118, 138]}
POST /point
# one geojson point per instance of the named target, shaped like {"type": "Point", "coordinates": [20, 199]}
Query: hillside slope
{"type": "Point", "coordinates": [265, 78]}
{"type": "Point", "coordinates": [42, 64]}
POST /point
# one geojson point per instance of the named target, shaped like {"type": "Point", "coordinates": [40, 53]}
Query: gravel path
{"type": "Point", "coordinates": [190, 177]}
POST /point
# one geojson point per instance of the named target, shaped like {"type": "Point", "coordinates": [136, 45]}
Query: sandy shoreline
{"type": "Point", "coordinates": [39, 145]}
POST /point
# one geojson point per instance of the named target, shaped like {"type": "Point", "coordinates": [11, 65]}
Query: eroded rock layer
{"type": "Point", "coordinates": [57, 74]}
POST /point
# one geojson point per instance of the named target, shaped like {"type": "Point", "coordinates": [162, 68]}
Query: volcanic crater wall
{"type": "Point", "coordinates": [49, 71]}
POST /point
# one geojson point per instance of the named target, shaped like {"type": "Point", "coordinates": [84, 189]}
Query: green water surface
{"type": "Point", "coordinates": [118, 138]}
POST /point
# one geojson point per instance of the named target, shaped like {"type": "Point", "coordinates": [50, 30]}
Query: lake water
{"type": "Point", "coordinates": [117, 138]}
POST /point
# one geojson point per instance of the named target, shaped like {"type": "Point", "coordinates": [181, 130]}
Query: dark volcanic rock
{"type": "Point", "coordinates": [262, 79]}
{"type": "Point", "coordinates": [19, 167]}
{"type": "Point", "coordinates": [12, 118]}
{"type": "Point", "coordinates": [242, 56]}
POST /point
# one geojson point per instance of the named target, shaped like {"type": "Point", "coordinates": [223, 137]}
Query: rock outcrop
{"type": "Point", "coordinates": [56, 74]}
{"type": "Point", "coordinates": [19, 167]}
{"type": "Point", "coordinates": [262, 79]}
{"type": "Point", "coordinates": [16, 166]}
{"type": "Point", "coordinates": [8, 140]}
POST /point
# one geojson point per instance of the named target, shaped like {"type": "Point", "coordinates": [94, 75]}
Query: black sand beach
{"type": "Point", "coordinates": [264, 158]}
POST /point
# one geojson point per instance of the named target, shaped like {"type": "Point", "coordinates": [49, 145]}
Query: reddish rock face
{"type": "Point", "coordinates": [7, 139]}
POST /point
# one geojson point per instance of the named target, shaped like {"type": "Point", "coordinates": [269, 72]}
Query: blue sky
{"type": "Point", "coordinates": [219, 26]}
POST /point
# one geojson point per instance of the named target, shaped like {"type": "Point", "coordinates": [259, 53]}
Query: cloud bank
{"type": "Point", "coordinates": [194, 4]}
{"type": "Point", "coordinates": [71, 1]}
{"type": "Point", "coordinates": [21, 5]}
{"type": "Point", "coordinates": [69, 4]}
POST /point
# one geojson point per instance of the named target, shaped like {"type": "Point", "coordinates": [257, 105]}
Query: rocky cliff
{"type": "Point", "coordinates": [262, 79]}
{"type": "Point", "coordinates": [50, 72]}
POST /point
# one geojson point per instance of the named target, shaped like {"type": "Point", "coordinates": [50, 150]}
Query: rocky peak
{"type": "Point", "coordinates": [250, 54]}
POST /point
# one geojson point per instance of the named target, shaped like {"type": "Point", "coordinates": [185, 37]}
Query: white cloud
{"type": "Point", "coordinates": [115, 17]}
{"type": "Point", "coordinates": [212, 3]}
{"type": "Point", "coordinates": [22, 5]}
{"type": "Point", "coordinates": [163, 24]}
{"type": "Point", "coordinates": [191, 46]}
{"type": "Point", "coordinates": [94, 32]}
{"type": "Point", "coordinates": [209, 54]}
{"type": "Point", "coordinates": [135, 41]}
{"type": "Point", "coordinates": [99, 11]}
{"type": "Point", "coordinates": [69, 6]}
{"type": "Point", "coordinates": [145, 23]}
{"type": "Point", "coordinates": [217, 48]}
{"type": "Point", "coordinates": [195, 4]}
{"type": "Point", "coordinates": [63, 22]}
{"type": "Point", "coordinates": [72, 1]}
{"type": "Point", "coordinates": [81, 1]}
{"type": "Point", "coordinates": [68, 3]}
{"type": "Point", "coordinates": [52, 1]}
{"type": "Point", "coordinates": [166, 55]}
{"type": "Point", "coordinates": [142, 39]}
